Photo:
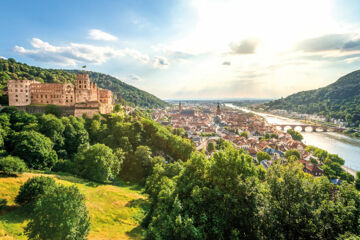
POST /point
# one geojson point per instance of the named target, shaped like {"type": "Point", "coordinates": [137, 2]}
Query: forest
{"type": "Point", "coordinates": [339, 100]}
{"type": "Point", "coordinates": [191, 195]}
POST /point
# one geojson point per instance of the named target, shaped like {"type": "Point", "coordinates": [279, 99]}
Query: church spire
{"type": "Point", "coordinates": [218, 112]}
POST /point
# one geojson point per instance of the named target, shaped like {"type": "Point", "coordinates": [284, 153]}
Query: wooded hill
{"type": "Point", "coordinates": [340, 100]}
{"type": "Point", "coordinates": [10, 69]}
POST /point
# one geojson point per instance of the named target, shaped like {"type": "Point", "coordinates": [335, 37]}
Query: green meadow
{"type": "Point", "coordinates": [116, 210]}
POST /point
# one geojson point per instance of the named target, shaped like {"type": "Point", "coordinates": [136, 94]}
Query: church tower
{"type": "Point", "coordinates": [179, 107]}
{"type": "Point", "coordinates": [218, 112]}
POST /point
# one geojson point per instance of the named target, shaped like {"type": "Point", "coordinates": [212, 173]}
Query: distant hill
{"type": "Point", "coordinates": [10, 69]}
{"type": "Point", "coordinates": [340, 99]}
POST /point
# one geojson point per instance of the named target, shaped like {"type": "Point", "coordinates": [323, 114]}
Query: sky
{"type": "Point", "coordinates": [190, 49]}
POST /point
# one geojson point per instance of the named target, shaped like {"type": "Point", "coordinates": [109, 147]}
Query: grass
{"type": "Point", "coordinates": [115, 210]}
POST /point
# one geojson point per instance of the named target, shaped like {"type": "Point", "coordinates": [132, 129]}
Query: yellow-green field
{"type": "Point", "coordinates": [115, 210]}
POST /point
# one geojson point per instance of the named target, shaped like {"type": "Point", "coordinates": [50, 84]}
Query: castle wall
{"type": "Point", "coordinates": [19, 92]}
{"type": "Point", "coordinates": [52, 93]}
{"type": "Point", "coordinates": [85, 98]}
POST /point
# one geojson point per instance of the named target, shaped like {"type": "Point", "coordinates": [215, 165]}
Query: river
{"type": "Point", "coordinates": [346, 147]}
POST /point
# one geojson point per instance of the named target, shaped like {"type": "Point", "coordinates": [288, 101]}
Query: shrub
{"type": "Point", "coordinates": [65, 166]}
{"type": "Point", "coordinates": [33, 188]}
{"type": "Point", "coordinates": [12, 165]}
{"type": "Point", "coordinates": [60, 214]}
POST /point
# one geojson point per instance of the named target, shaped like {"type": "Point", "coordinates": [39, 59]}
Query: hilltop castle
{"type": "Point", "coordinates": [84, 98]}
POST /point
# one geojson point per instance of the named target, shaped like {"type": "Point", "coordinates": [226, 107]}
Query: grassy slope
{"type": "Point", "coordinates": [115, 211]}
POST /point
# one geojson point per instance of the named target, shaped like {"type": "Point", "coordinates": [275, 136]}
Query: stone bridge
{"type": "Point", "coordinates": [307, 127]}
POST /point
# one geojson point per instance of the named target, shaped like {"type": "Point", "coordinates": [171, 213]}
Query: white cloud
{"type": "Point", "coordinates": [1, 57]}
{"type": "Point", "coordinates": [161, 62]}
{"type": "Point", "coordinates": [75, 53]}
{"type": "Point", "coordinates": [97, 34]}
{"type": "Point", "coordinates": [137, 55]}
{"type": "Point", "coordinates": [134, 78]}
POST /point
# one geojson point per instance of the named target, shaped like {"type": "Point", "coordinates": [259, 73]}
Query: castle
{"type": "Point", "coordinates": [84, 98]}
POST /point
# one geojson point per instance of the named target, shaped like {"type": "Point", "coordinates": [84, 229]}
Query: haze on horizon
{"type": "Point", "coordinates": [191, 49]}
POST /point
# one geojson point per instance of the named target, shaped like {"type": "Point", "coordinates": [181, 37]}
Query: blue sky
{"type": "Point", "coordinates": [190, 49]}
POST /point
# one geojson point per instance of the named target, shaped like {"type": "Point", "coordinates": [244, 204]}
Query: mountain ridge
{"type": "Point", "coordinates": [340, 100]}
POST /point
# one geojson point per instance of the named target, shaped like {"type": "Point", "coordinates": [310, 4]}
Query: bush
{"type": "Point", "coordinates": [65, 166]}
{"type": "Point", "coordinates": [12, 165]}
{"type": "Point", "coordinates": [60, 214]}
{"type": "Point", "coordinates": [33, 188]}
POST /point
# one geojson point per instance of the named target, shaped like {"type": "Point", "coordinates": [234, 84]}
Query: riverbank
{"type": "Point", "coordinates": [349, 170]}
{"type": "Point", "coordinates": [346, 147]}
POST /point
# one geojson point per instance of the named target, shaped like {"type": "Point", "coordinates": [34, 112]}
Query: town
{"type": "Point", "coordinates": [206, 124]}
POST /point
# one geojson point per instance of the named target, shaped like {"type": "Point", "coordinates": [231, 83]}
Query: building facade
{"type": "Point", "coordinates": [85, 96]}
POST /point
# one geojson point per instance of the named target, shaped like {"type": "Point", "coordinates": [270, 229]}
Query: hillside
{"type": "Point", "coordinates": [116, 210]}
{"type": "Point", "coordinates": [10, 69]}
{"type": "Point", "coordinates": [340, 99]}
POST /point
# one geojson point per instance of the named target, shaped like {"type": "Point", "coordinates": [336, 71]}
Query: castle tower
{"type": "Point", "coordinates": [85, 91]}
{"type": "Point", "coordinates": [179, 107]}
{"type": "Point", "coordinates": [82, 81]}
{"type": "Point", "coordinates": [218, 112]}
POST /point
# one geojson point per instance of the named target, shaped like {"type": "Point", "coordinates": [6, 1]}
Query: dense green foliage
{"type": "Point", "coordinates": [227, 197]}
{"type": "Point", "coordinates": [59, 214]}
{"type": "Point", "coordinates": [331, 164]}
{"type": "Point", "coordinates": [124, 91]}
{"type": "Point", "coordinates": [119, 142]}
{"type": "Point", "coordinates": [36, 149]}
{"type": "Point", "coordinates": [295, 135]}
{"type": "Point", "coordinates": [12, 165]}
{"type": "Point", "coordinates": [262, 156]}
{"type": "Point", "coordinates": [33, 188]}
{"type": "Point", "coordinates": [10, 69]}
{"type": "Point", "coordinates": [98, 163]}
{"type": "Point", "coordinates": [340, 100]}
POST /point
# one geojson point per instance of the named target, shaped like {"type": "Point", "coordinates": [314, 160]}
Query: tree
{"type": "Point", "coordinates": [33, 188]}
{"type": "Point", "coordinates": [60, 214]}
{"type": "Point", "coordinates": [98, 163]}
{"type": "Point", "coordinates": [292, 152]}
{"type": "Point", "coordinates": [210, 147]}
{"type": "Point", "coordinates": [53, 109]}
{"type": "Point", "coordinates": [53, 128]}
{"type": "Point", "coordinates": [35, 149]}
{"type": "Point", "coordinates": [143, 156]}
{"type": "Point", "coordinates": [244, 134]}
{"type": "Point", "coordinates": [262, 156]}
{"type": "Point", "coordinates": [357, 182]}
{"type": "Point", "coordinates": [12, 165]}
{"type": "Point", "coordinates": [295, 135]}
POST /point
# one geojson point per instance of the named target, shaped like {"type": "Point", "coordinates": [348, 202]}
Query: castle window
{"type": "Point", "coordinates": [15, 90]}
{"type": "Point", "coordinates": [27, 100]}
{"type": "Point", "coordinates": [16, 95]}
{"type": "Point", "coordinates": [16, 100]}
{"type": "Point", "coordinates": [41, 96]}
{"type": "Point", "coordinates": [15, 85]}
{"type": "Point", "coordinates": [21, 90]}
{"type": "Point", "coordinates": [25, 90]}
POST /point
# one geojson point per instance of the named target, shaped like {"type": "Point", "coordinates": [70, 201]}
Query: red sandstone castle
{"type": "Point", "coordinates": [85, 96]}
